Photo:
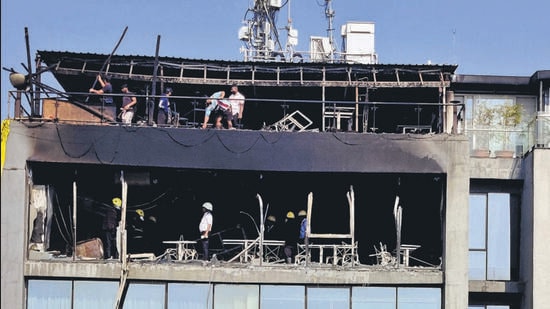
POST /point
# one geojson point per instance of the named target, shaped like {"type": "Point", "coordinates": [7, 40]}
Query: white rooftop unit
{"type": "Point", "coordinates": [275, 3]}
{"type": "Point", "coordinates": [359, 42]}
{"type": "Point", "coordinates": [320, 49]}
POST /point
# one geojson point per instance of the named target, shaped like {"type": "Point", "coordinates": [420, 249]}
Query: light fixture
{"type": "Point", "coordinates": [18, 80]}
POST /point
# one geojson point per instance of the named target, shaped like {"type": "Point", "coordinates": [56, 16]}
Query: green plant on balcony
{"type": "Point", "coordinates": [508, 117]}
{"type": "Point", "coordinates": [483, 120]}
{"type": "Point", "coordinates": [495, 121]}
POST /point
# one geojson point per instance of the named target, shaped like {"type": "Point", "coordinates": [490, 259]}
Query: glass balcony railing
{"type": "Point", "coordinates": [511, 141]}
{"type": "Point", "coordinates": [495, 142]}
{"type": "Point", "coordinates": [539, 131]}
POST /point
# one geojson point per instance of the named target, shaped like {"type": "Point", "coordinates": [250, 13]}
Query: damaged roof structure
{"type": "Point", "coordinates": [382, 161]}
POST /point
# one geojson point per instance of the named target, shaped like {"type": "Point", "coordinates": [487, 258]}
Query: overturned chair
{"type": "Point", "coordinates": [383, 257]}
{"type": "Point", "coordinates": [295, 121]}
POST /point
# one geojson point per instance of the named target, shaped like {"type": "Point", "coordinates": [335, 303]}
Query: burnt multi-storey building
{"type": "Point", "coordinates": [423, 188]}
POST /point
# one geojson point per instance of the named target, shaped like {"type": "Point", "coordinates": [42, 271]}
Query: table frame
{"type": "Point", "coordinates": [251, 247]}
{"type": "Point", "coordinates": [183, 251]}
{"type": "Point", "coordinates": [341, 253]}
{"type": "Point", "coordinates": [406, 250]}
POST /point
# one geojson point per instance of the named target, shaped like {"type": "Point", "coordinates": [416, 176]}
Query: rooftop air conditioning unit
{"type": "Point", "coordinates": [359, 42]}
{"type": "Point", "coordinates": [319, 49]}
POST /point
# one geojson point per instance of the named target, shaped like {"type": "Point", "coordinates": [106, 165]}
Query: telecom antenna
{"type": "Point", "coordinates": [329, 14]}
{"type": "Point", "coordinates": [260, 36]}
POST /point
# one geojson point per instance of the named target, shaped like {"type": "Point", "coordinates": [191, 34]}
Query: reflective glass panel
{"type": "Point", "coordinates": [189, 296]}
{"type": "Point", "coordinates": [418, 298]}
{"type": "Point", "coordinates": [236, 296]}
{"type": "Point", "coordinates": [477, 262]}
{"type": "Point", "coordinates": [373, 297]}
{"type": "Point", "coordinates": [95, 294]}
{"type": "Point", "coordinates": [477, 221]}
{"type": "Point", "coordinates": [498, 234]}
{"type": "Point", "coordinates": [144, 296]}
{"type": "Point", "coordinates": [49, 294]}
{"type": "Point", "coordinates": [330, 298]}
{"type": "Point", "coordinates": [282, 296]}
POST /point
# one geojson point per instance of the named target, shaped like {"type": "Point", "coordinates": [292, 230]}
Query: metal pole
{"type": "Point", "coordinates": [151, 104]}
{"type": "Point", "coordinates": [351, 201]}
{"type": "Point", "coordinates": [397, 213]}
{"type": "Point", "coordinates": [122, 286]}
{"type": "Point", "coordinates": [308, 225]}
{"type": "Point", "coordinates": [109, 58]}
{"type": "Point", "coordinates": [74, 219]}
{"type": "Point", "coordinates": [261, 204]}
{"type": "Point", "coordinates": [29, 71]}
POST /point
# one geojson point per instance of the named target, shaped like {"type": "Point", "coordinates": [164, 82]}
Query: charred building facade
{"type": "Point", "coordinates": [422, 188]}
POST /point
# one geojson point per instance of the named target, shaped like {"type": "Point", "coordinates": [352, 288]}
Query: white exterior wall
{"type": "Point", "coordinates": [14, 218]}
{"type": "Point", "coordinates": [541, 229]}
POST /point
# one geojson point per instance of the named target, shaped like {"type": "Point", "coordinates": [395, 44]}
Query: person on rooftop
{"type": "Point", "coordinates": [106, 88]}
{"type": "Point", "coordinates": [220, 107]}
{"type": "Point", "coordinates": [165, 112]}
{"type": "Point", "coordinates": [129, 101]}
{"type": "Point", "coordinates": [237, 105]}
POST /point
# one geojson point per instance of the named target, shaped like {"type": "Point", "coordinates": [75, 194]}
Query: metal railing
{"type": "Point", "coordinates": [188, 111]}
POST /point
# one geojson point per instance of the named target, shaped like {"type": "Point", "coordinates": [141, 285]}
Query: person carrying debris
{"type": "Point", "coordinates": [220, 107]}
{"type": "Point", "coordinates": [106, 88]}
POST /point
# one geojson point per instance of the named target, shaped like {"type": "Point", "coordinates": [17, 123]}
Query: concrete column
{"type": "Point", "coordinates": [449, 119]}
{"type": "Point", "coordinates": [535, 232]}
{"type": "Point", "coordinates": [14, 217]}
{"type": "Point", "coordinates": [455, 242]}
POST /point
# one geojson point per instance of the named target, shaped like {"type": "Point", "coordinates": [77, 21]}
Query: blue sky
{"type": "Point", "coordinates": [486, 37]}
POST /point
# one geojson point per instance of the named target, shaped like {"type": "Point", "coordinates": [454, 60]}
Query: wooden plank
{"type": "Point", "coordinates": [57, 110]}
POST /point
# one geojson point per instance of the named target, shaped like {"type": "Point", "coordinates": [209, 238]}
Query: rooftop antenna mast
{"type": "Point", "coordinates": [329, 14]}
{"type": "Point", "coordinates": [292, 37]}
{"type": "Point", "coordinates": [259, 33]}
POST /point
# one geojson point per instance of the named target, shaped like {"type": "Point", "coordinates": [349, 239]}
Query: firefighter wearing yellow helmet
{"type": "Point", "coordinates": [136, 232]}
{"type": "Point", "coordinates": [108, 226]}
{"type": "Point", "coordinates": [290, 215]}
{"type": "Point", "coordinates": [140, 213]}
{"type": "Point", "coordinates": [117, 202]}
{"type": "Point", "coordinates": [290, 236]}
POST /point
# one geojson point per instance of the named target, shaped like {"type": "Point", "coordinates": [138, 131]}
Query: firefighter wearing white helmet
{"type": "Point", "coordinates": [205, 226]}
{"type": "Point", "coordinates": [208, 206]}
